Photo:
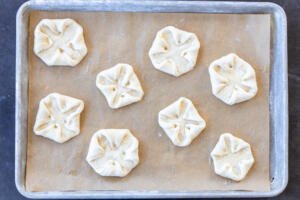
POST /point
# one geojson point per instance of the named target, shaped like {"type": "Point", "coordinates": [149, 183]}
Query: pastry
{"type": "Point", "coordinates": [59, 42]}
{"type": "Point", "coordinates": [232, 157]}
{"type": "Point", "coordinates": [58, 117]}
{"type": "Point", "coordinates": [119, 85]}
{"type": "Point", "coordinates": [113, 152]}
{"type": "Point", "coordinates": [232, 79]}
{"type": "Point", "coordinates": [174, 51]}
{"type": "Point", "coordinates": [181, 122]}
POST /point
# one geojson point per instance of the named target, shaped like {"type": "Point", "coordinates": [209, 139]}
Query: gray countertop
{"type": "Point", "coordinates": [8, 11]}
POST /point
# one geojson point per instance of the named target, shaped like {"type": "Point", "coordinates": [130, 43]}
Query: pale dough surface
{"type": "Point", "coordinates": [58, 117]}
{"type": "Point", "coordinates": [181, 122]}
{"type": "Point", "coordinates": [162, 165]}
{"type": "Point", "coordinates": [174, 51]}
{"type": "Point", "coordinates": [233, 80]}
{"type": "Point", "coordinates": [59, 42]}
{"type": "Point", "coordinates": [113, 152]}
{"type": "Point", "coordinates": [232, 157]}
{"type": "Point", "coordinates": [120, 85]}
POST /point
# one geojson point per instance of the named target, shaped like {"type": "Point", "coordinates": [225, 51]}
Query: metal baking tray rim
{"type": "Point", "coordinates": [278, 108]}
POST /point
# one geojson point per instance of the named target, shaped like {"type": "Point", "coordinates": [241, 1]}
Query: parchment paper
{"type": "Point", "coordinates": [126, 37]}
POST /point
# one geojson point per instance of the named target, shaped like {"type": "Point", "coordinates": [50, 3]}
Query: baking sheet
{"type": "Point", "coordinates": [126, 37]}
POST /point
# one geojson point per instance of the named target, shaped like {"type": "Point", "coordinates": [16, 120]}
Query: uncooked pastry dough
{"type": "Point", "coordinates": [174, 51]}
{"type": "Point", "coordinates": [58, 117]}
{"type": "Point", "coordinates": [233, 79]}
{"type": "Point", "coordinates": [113, 152]}
{"type": "Point", "coordinates": [181, 122]}
{"type": "Point", "coordinates": [119, 85]}
{"type": "Point", "coordinates": [59, 42]}
{"type": "Point", "coordinates": [232, 157]}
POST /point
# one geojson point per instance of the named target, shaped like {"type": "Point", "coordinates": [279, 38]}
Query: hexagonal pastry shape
{"type": "Point", "coordinates": [174, 51]}
{"type": "Point", "coordinates": [181, 122]}
{"type": "Point", "coordinates": [232, 157]}
{"type": "Point", "coordinates": [232, 79]}
{"type": "Point", "coordinates": [58, 117]}
{"type": "Point", "coordinates": [59, 42]}
{"type": "Point", "coordinates": [113, 152]}
{"type": "Point", "coordinates": [119, 85]}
